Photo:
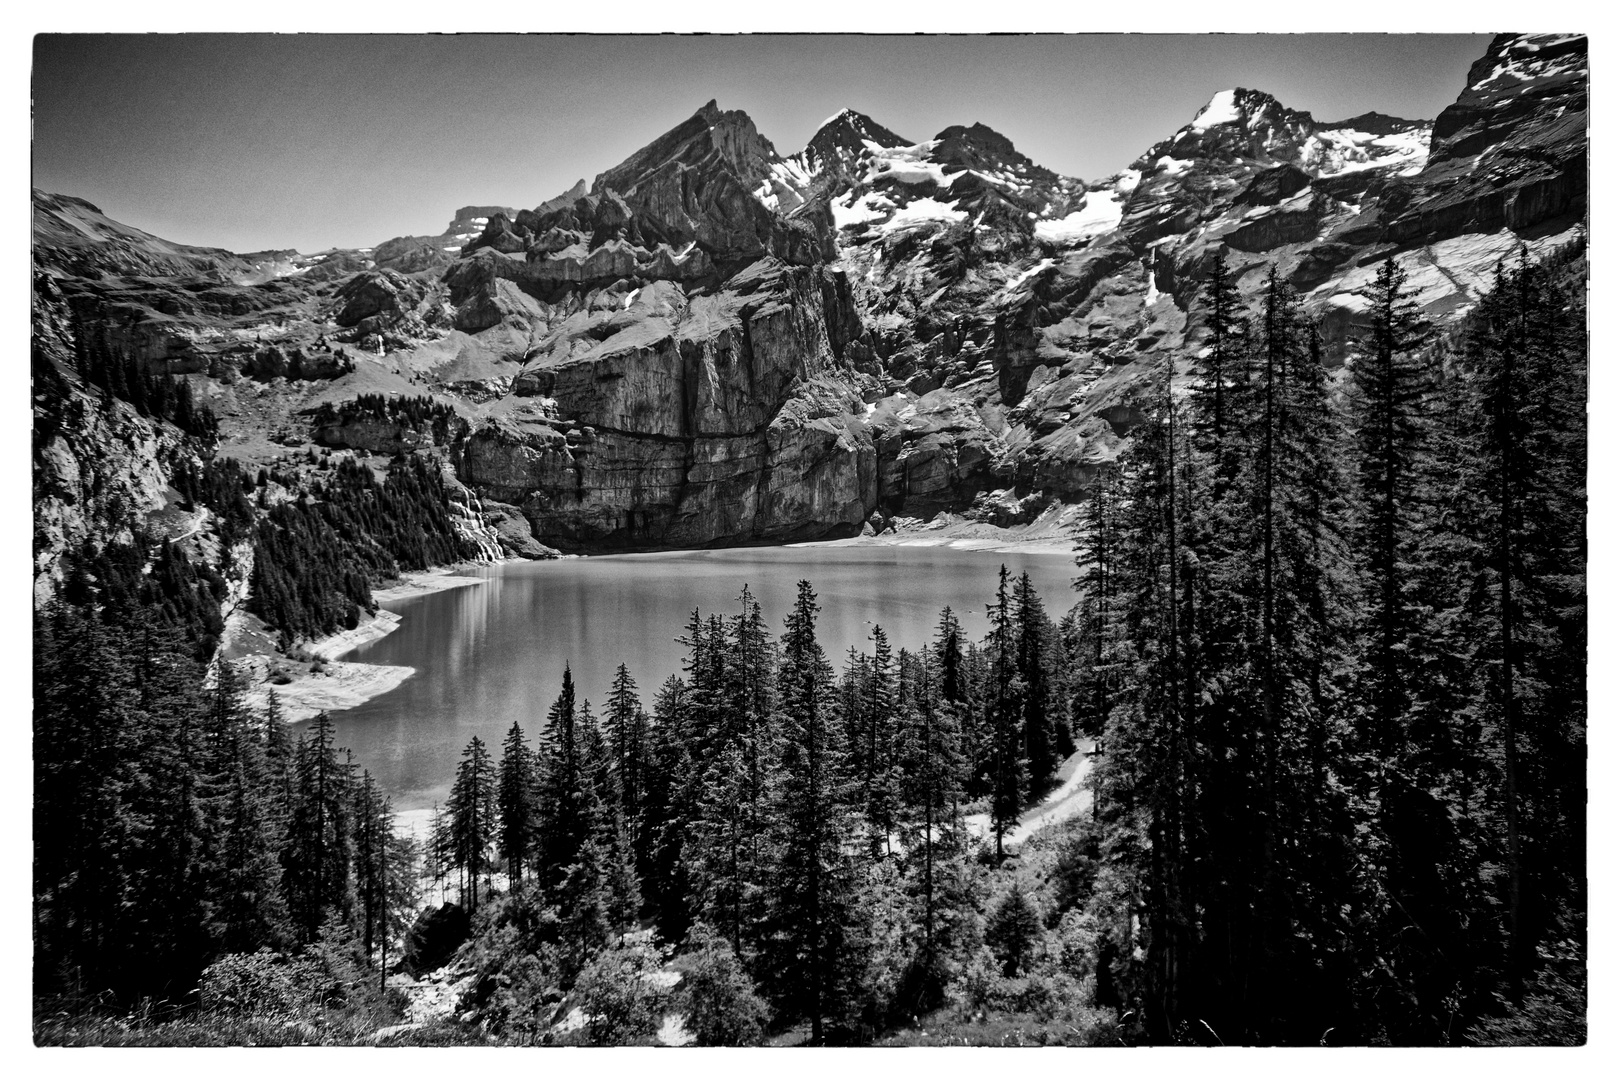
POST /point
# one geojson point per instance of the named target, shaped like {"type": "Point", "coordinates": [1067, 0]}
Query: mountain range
{"type": "Point", "coordinates": [713, 343]}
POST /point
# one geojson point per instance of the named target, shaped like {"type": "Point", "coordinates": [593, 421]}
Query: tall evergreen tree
{"type": "Point", "coordinates": [1004, 717]}
{"type": "Point", "coordinates": [472, 818]}
{"type": "Point", "coordinates": [809, 962]}
{"type": "Point", "coordinates": [517, 804]}
{"type": "Point", "coordinates": [319, 852]}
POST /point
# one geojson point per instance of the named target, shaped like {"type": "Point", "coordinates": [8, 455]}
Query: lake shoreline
{"type": "Point", "coordinates": [488, 658]}
{"type": "Point", "coordinates": [1050, 533]}
{"type": "Point", "coordinates": [317, 679]}
{"type": "Point", "coordinates": [324, 682]}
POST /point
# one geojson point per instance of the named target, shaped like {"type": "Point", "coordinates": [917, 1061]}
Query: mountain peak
{"type": "Point", "coordinates": [982, 135]}
{"type": "Point", "coordinates": [980, 146]}
{"type": "Point", "coordinates": [846, 113]}
{"type": "Point", "coordinates": [843, 135]}
{"type": "Point", "coordinates": [725, 139]}
{"type": "Point", "coordinates": [1374, 123]}
{"type": "Point", "coordinates": [1221, 109]}
{"type": "Point", "coordinates": [1236, 123]}
{"type": "Point", "coordinates": [1240, 105]}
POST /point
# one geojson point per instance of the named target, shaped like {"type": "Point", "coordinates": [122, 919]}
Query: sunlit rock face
{"type": "Point", "coordinates": [712, 343]}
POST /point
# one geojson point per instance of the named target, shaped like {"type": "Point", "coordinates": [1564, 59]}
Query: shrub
{"type": "Point", "coordinates": [623, 992]}
{"type": "Point", "coordinates": [260, 984]}
{"type": "Point", "coordinates": [1553, 1011]}
{"type": "Point", "coordinates": [717, 997]}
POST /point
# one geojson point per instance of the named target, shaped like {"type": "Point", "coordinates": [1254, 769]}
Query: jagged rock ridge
{"type": "Point", "coordinates": [712, 343]}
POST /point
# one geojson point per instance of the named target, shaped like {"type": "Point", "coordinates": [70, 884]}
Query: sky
{"type": "Point", "coordinates": [254, 142]}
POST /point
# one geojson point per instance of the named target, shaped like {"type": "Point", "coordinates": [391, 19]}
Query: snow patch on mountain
{"type": "Point", "coordinates": [923, 211]}
{"type": "Point", "coordinates": [1343, 150]}
{"type": "Point", "coordinates": [906, 164]}
{"type": "Point", "coordinates": [784, 185]}
{"type": "Point", "coordinates": [1446, 276]}
{"type": "Point", "coordinates": [849, 210]}
{"type": "Point", "coordinates": [1101, 212]}
{"type": "Point", "coordinates": [1526, 69]}
{"type": "Point", "coordinates": [1222, 109]}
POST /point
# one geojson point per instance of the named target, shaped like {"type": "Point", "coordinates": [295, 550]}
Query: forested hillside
{"type": "Point", "coordinates": [1339, 647]}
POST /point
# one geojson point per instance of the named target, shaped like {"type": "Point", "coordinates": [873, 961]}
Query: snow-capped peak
{"type": "Point", "coordinates": [1222, 109]}
{"type": "Point", "coordinates": [841, 114]}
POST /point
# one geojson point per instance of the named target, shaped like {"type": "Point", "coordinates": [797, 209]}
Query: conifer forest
{"type": "Point", "coordinates": [1321, 677]}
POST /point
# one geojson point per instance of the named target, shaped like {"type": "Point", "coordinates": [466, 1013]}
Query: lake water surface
{"type": "Point", "coordinates": [487, 655]}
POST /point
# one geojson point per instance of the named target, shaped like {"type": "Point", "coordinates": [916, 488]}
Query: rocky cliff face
{"type": "Point", "coordinates": [715, 344]}
{"type": "Point", "coordinates": [97, 464]}
{"type": "Point", "coordinates": [681, 419]}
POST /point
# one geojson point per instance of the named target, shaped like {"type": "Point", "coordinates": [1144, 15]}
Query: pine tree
{"type": "Point", "coordinates": [879, 777]}
{"type": "Point", "coordinates": [563, 809]}
{"type": "Point", "coordinates": [319, 851]}
{"type": "Point", "coordinates": [627, 727]}
{"type": "Point", "coordinates": [472, 819]}
{"type": "Point", "coordinates": [1004, 717]}
{"type": "Point", "coordinates": [809, 963]}
{"type": "Point", "coordinates": [1389, 426]}
{"type": "Point", "coordinates": [1096, 558]}
{"type": "Point", "coordinates": [931, 765]}
{"type": "Point", "coordinates": [373, 829]}
{"type": "Point", "coordinates": [1034, 640]}
{"type": "Point", "coordinates": [1524, 462]}
{"type": "Point", "coordinates": [84, 725]}
{"type": "Point", "coordinates": [670, 809]}
{"type": "Point", "coordinates": [1218, 366]}
{"type": "Point", "coordinates": [516, 803]}
{"type": "Point", "coordinates": [251, 911]}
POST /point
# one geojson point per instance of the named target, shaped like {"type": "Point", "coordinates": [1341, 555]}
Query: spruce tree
{"type": "Point", "coordinates": [516, 804]}
{"type": "Point", "coordinates": [1004, 716]}
{"type": "Point", "coordinates": [809, 962]}
{"type": "Point", "coordinates": [319, 852]}
{"type": "Point", "coordinates": [472, 819]}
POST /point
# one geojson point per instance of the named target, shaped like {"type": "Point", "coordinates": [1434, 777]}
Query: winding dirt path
{"type": "Point", "coordinates": [1069, 799]}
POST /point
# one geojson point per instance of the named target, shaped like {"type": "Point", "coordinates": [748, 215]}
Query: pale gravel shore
{"type": "Point", "coordinates": [1050, 534]}
{"type": "Point", "coordinates": [998, 545]}
{"type": "Point", "coordinates": [429, 581]}
{"type": "Point", "coordinates": [340, 685]}
{"type": "Point", "coordinates": [343, 685]}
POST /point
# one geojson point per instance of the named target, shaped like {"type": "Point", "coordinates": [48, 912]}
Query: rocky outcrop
{"type": "Point", "coordinates": [376, 292]}
{"type": "Point", "coordinates": [1509, 153]}
{"type": "Point", "coordinates": [409, 255]}
{"type": "Point", "coordinates": [274, 362]}
{"type": "Point", "coordinates": [648, 218]}
{"type": "Point", "coordinates": [664, 422]}
{"type": "Point", "coordinates": [97, 463]}
{"type": "Point", "coordinates": [377, 436]}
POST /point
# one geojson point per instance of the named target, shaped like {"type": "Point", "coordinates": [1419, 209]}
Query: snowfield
{"type": "Point", "coordinates": [907, 164]}
{"type": "Point", "coordinates": [1101, 212]}
{"type": "Point", "coordinates": [920, 212]}
{"type": "Point", "coordinates": [1344, 150]}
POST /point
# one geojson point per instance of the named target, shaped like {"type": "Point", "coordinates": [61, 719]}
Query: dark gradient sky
{"type": "Point", "coordinates": [258, 141]}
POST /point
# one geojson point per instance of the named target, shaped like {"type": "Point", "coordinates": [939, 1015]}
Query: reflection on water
{"type": "Point", "coordinates": [488, 655]}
